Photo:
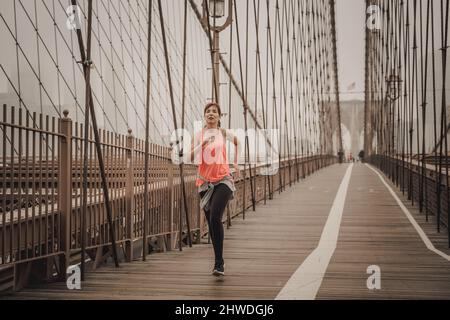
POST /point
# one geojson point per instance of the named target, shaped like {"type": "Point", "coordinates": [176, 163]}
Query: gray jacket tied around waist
{"type": "Point", "coordinates": [209, 188]}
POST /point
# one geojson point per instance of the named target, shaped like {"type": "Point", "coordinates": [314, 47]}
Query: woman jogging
{"type": "Point", "coordinates": [215, 183]}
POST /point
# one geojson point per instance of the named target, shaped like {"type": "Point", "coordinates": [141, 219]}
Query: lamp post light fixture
{"type": "Point", "coordinates": [393, 93]}
{"type": "Point", "coordinates": [216, 9]}
{"type": "Point", "coordinates": [394, 88]}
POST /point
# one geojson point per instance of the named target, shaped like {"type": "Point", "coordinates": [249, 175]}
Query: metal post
{"type": "Point", "coordinates": [129, 198]}
{"type": "Point", "coordinates": [171, 202]}
{"type": "Point", "coordinates": [65, 190]}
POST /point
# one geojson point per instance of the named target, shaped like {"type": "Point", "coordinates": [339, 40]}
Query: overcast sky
{"type": "Point", "coordinates": [350, 20]}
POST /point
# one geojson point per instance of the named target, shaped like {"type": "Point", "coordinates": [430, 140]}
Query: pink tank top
{"type": "Point", "coordinates": [213, 165]}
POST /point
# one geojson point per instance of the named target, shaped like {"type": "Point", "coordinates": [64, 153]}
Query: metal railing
{"type": "Point", "coordinates": [406, 174]}
{"type": "Point", "coordinates": [30, 172]}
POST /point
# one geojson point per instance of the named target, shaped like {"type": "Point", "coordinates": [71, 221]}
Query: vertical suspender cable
{"type": "Point", "coordinates": [277, 19]}
{"type": "Point", "coordinates": [87, 69]}
{"type": "Point", "coordinates": [274, 97]}
{"type": "Point", "coordinates": [444, 48]}
{"type": "Point", "coordinates": [244, 102]}
{"type": "Point", "coordinates": [258, 61]}
{"type": "Point", "coordinates": [229, 107]}
{"type": "Point", "coordinates": [85, 59]}
{"type": "Point", "coordinates": [247, 142]}
{"type": "Point", "coordinates": [424, 105]}
{"type": "Point", "coordinates": [147, 134]}
{"type": "Point", "coordinates": [433, 65]}
{"type": "Point", "coordinates": [444, 27]}
{"type": "Point", "coordinates": [335, 64]}
{"type": "Point", "coordinates": [169, 79]}
{"type": "Point", "coordinates": [183, 108]}
{"type": "Point", "coordinates": [416, 91]}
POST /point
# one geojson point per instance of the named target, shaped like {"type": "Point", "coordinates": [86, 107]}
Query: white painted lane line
{"type": "Point", "coordinates": [306, 280]}
{"type": "Point", "coordinates": [405, 210]}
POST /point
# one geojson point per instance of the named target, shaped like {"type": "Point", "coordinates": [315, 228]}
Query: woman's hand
{"type": "Point", "coordinates": [237, 172]}
{"type": "Point", "coordinates": [207, 142]}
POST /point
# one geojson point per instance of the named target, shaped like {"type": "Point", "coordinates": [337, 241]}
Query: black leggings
{"type": "Point", "coordinates": [217, 204]}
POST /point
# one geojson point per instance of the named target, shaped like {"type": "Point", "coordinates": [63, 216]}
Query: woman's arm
{"type": "Point", "coordinates": [238, 150]}
{"type": "Point", "coordinates": [237, 144]}
{"type": "Point", "coordinates": [193, 151]}
{"type": "Point", "coordinates": [236, 157]}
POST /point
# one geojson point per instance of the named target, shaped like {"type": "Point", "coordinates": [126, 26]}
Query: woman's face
{"type": "Point", "coordinates": [212, 116]}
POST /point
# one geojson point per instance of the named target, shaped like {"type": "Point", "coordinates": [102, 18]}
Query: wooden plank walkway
{"type": "Point", "coordinates": [263, 252]}
{"type": "Point", "coordinates": [374, 231]}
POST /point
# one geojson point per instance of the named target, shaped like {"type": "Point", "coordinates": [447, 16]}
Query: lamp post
{"type": "Point", "coordinates": [216, 10]}
{"type": "Point", "coordinates": [393, 93]}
